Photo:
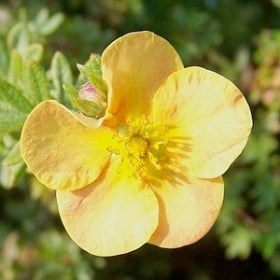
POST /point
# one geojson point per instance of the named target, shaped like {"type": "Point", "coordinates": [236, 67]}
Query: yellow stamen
{"type": "Point", "coordinates": [137, 146]}
{"type": "Point", "coordinates": [140, 145]}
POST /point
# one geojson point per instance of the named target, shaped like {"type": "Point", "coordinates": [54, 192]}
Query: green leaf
{"type": "Point", "coordinates": [8, 141]}
{"type": "Point", "coordinates": [10, 118]}
{"type": "Point", "coordinates": [14, 108]}
{"type": "Point", "coordinates": [52, 24]}
{"type": "Point", "coordinates": [10, 175]}
{"type": "Point", "coordinates": [71, 90]}
{"type": "Point", "coordinates": [94, 78]}
{"type": "Point", "coordinates": [3, 59]}
{"type": "Point", "coordinates": [37, 86]}
{"type": "Point", "coordinates": [276, 3]}
{"type": "Point", "coordinates": [34, 52]}
{"type": "Point", "coordinates": [13, 98]}
{"type": "Point", "coordinates": [19, 37]}
{"type": "Point", "coordinates": [2, 146]}
{"type": "Point", "coordinates": [14, 156]}
{"type": "Point", "coordinates": [46, 25]}
{"type": "Point", "coordinates": [61, 73]}
{"type": "Point", "coordinates": [15, 69]}
{"type": "Point", "coordinates": [92, 70]}
{"type": "Point", "coordinates": [42, 17]}
{"type": "Point", "coordinates": [239, 242]}
{"type": "Point", "coordinates": [95, 64]}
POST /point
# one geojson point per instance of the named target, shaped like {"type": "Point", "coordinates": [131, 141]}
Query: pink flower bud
{"type": "Point", "coordinates": [89, 92]}
{"type": "Point", "coordinates": [92, 103]}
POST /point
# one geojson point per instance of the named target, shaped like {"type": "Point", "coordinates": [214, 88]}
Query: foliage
{"type": "Point", "coordinates": [40, 44]}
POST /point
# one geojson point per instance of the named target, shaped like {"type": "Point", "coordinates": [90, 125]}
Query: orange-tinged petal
{"type": "Point", "coordinates": [114, 215]}
{"type": "Point", "coordinates": [187, 211]}
{"type": "Point", "coordinates": [134, 66]}
{"type": "Point", "coordinates": [210, 113]}
{"type": "Point", "coordinates": [61, 150]}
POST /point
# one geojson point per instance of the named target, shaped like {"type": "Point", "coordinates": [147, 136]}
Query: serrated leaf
{"type": "Point", "coordinates": [13, 98]}
{"type": "Point", "coordinates": [15, 68]}
{"type": "Point", "coordinates": [10, 118]}
{"type": "Point", "coordinates": [37, 86]}
{"type": "Point", "coordinates": [61, 73]}
{"type": "Point", "coordinates": [14, 156]}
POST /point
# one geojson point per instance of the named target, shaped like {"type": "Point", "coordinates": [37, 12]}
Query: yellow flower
{"type": "Point", "coordinates": [150, 169]}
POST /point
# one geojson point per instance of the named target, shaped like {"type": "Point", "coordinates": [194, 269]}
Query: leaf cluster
{"type": "Point", "coordinates": [24, 83]}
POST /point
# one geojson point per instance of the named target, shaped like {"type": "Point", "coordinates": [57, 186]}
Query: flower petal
{"type": "Point", "coordinates": [187, 211]}
{"type": "Point", "coordinates": [114, 215]}
{"type": "Point", "coordinates": [61, 150]}
{"type": "Point", "coordinates": [134, 66]}
{"type": "Point", "coordinates": [210, 113]}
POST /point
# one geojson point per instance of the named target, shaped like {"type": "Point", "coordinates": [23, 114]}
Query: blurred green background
{"type": "Point", "coordinates": [239, 39]}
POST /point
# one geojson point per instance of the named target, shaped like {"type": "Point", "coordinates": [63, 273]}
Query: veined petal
{"type": "Point", "coordinates": [186, 211]}
{"type": "Point", "coordinates": [61, 150]}
{"type": "Point", "coordinates": [114, 215]}
{"type": "Point", "coordinates": [134, 66]}
{"type": "Point", "coordinates": [210, 113]}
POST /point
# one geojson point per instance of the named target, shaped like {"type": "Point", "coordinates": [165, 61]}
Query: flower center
{"type": "Point", "coordinates": [141, 147]}
{"type": "Point", "coordinates": [134, 154]}
{"type": "Point", "coordinates": [137, 147]}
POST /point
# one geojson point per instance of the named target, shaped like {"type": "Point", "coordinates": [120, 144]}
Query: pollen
{"type": "Point", "coordinates": [140, 146]}
{"type": "Point", "coordinates": [137, 147]}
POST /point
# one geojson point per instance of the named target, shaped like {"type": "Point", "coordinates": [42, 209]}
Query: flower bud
{"type": "Point", "coordinates": [91, 101]}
